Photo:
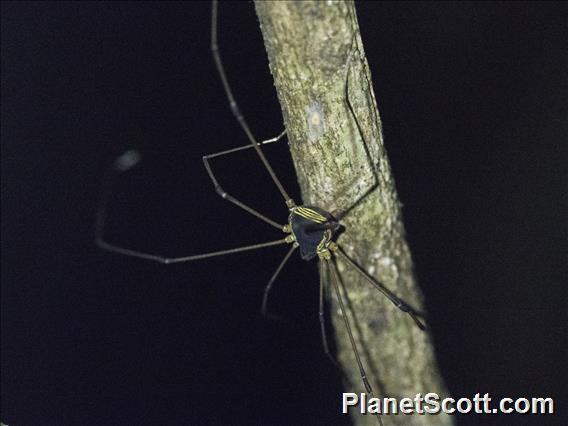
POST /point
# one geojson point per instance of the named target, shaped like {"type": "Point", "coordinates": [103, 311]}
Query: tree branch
{"type": "Point", "coordinates": [311, 47]}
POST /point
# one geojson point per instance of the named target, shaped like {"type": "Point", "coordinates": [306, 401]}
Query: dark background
{"type": "Point", "coordinates": [472, 98]}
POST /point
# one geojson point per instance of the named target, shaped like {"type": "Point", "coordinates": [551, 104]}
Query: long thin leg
{"type": "Point", "coordinates": [229, 197]}
{"type": "Point", "coordinates": [235, 108]}
{"type": "Point", "coordinates": [342, 214]}
{"type": "Point", "coordinates": [389, 295]}
{"type": "Point", "coordinates": [334, 280]}
{"type": "Point", "coordinates": [322, 318]}
{"type": "Point", "coordinates": [268, 287]}
{"type": "Point", "coordinates": [240, 148]}
{"type": "Point", "coordinates": [121, 164]}
{"type": "Point", "coordinates": [168, 260]}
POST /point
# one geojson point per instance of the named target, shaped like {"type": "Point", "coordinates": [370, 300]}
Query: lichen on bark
{"type": "Point", "coordinates": [314, 49]}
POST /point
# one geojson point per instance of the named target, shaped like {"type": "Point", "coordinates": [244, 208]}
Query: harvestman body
{"type": "Point", "coordinates": [309, 228]}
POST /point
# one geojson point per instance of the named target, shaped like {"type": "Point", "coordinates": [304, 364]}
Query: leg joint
{"type": "Point", "coordinates": [220, 191]}
{"type": "Point", "coordinates": [236, 110]}
{"type": "Point", "coordinates": [402, 306]}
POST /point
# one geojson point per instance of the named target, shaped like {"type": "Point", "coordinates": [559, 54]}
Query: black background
{"type": "Point", "coordinates": [472, 98]}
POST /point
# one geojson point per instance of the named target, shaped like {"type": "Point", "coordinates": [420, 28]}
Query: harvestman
{"type": "Point", "coordinates": [309, 228]}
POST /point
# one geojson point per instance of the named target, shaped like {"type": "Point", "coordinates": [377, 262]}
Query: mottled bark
{"type": "Point", "coordinates": [311, 46]}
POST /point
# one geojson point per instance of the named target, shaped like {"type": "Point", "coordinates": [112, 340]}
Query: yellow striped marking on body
{"type": "Point", "coordinates": [310, 214]}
